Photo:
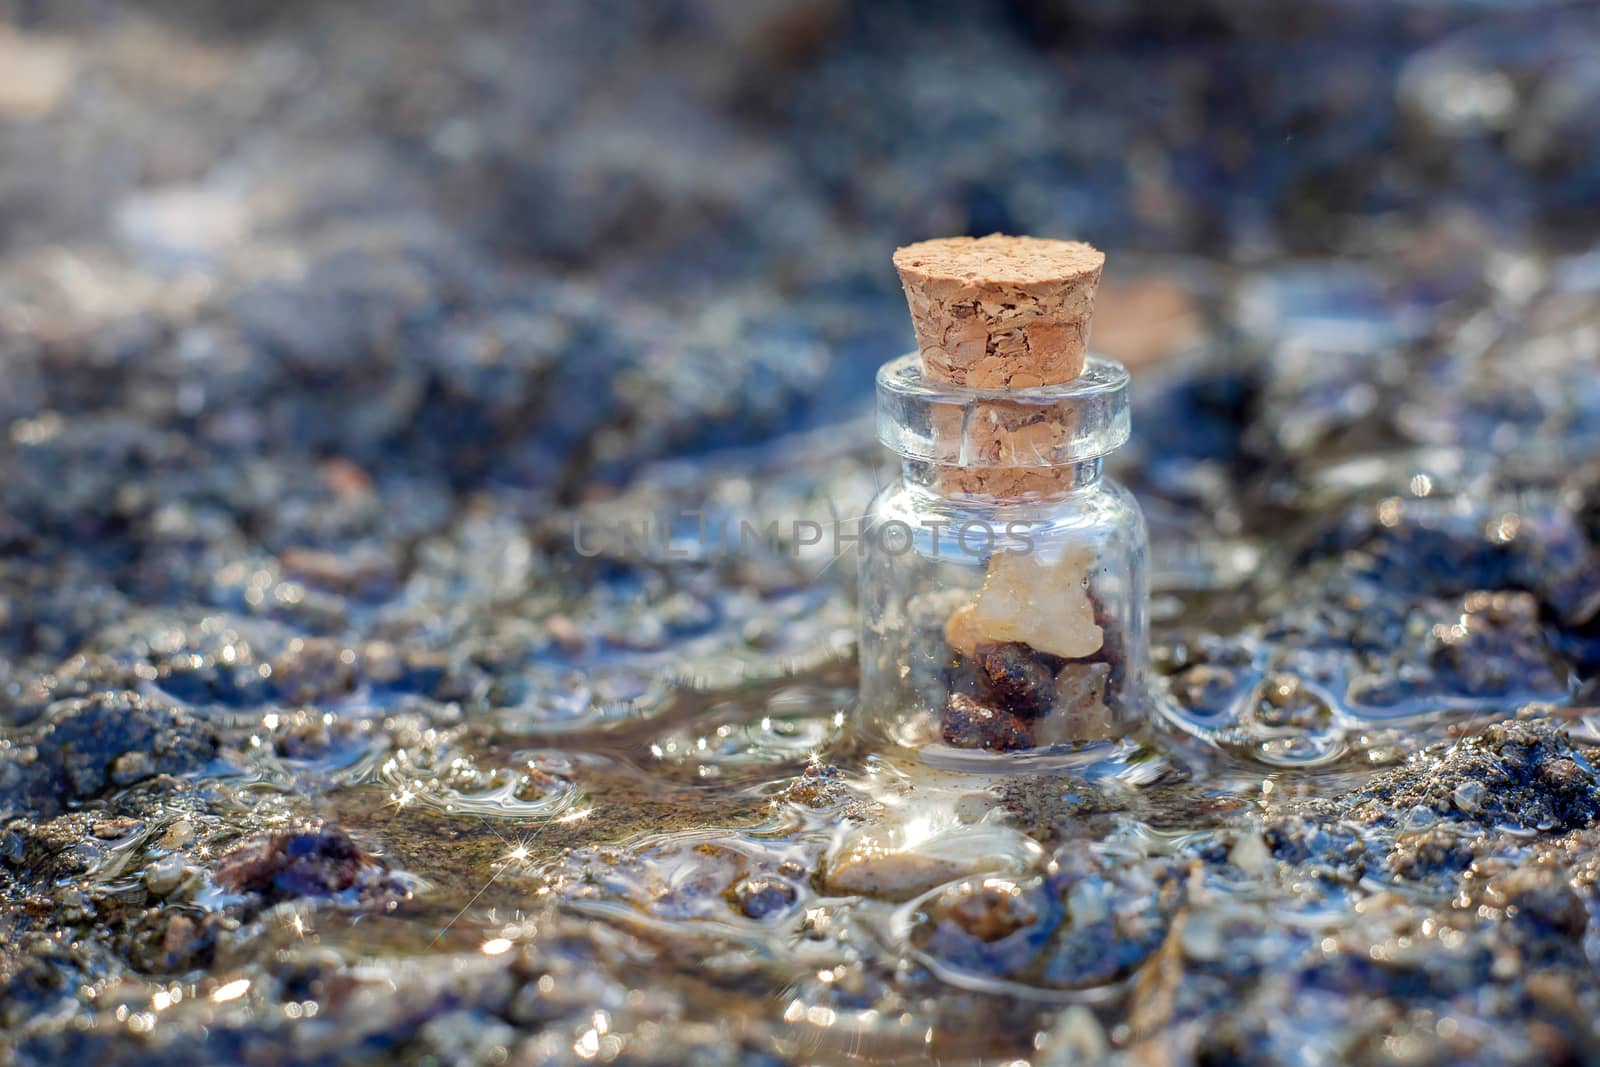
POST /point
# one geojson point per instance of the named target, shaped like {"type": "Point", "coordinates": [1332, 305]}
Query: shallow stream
{"type": "Point", "coordinates": [329, 737]}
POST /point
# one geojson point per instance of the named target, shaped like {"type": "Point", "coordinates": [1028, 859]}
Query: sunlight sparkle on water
{"type": "Point", "coordinates": [232, 991]}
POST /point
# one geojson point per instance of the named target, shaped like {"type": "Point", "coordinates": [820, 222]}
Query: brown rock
{"type": "Point", "coordinates": [874, 868]}
{"type": "Point", "coordinates": [1018, 678]}
{"type": "Point", "coordinates": [309, 862]}
{"type": "Point", "coordinates": [969, 724]}
{"type": "Point", "coordinates": [989, 911]}
{"type": "Point", "coordinates": [1141, 321]}
{"type": "Point", "coordinates": [346, 478]}
{"type": "Point", "coordinates": [36, 73]}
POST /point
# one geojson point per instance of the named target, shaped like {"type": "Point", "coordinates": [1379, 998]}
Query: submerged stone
{"type": "Point", "coordinates": [326, 862]}
{"type": "Point", "coordinates": [762, 897]}
{"type": "Point", "coordinates": [1089, 924]}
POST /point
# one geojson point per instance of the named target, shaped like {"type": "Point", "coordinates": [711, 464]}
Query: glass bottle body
{"type": "Point", "coordinates": [1003, 624]}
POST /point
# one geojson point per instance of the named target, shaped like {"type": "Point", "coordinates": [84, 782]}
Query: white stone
{"type": "Point", "coordinates": [165, 875]}
{"type": "Point", "coordinates": [1043, 605]}
{"type": "Point", "coordinates": [912, 851]}
{"type": "Point", "coordinates": [1250, 853]}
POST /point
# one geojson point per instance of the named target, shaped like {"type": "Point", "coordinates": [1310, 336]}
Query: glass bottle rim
{"type": "Point", "coordinates": [1041, 426]}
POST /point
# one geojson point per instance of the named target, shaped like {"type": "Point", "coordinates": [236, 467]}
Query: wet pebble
{"type": "Point", "coordinates": [323, 862]}
{"type": "Point", "coordinates": [165, 875]}
{"type": "Point", "coordinates": [1086, 925]}
{"type": "Point", "coordinates": [989, 910]}
{"type": "Point", "coordinates": [762, 897]}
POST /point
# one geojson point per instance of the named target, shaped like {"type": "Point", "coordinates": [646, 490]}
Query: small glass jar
{"type": "Point", "coordinates": [1004, 586]}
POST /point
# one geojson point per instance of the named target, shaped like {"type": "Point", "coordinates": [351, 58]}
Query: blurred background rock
{"type": "Point", "coordinates": [533, 244]}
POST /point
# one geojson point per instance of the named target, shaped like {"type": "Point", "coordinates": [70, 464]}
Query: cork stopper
{"type": "Point", "coordinates": [1001, 312]}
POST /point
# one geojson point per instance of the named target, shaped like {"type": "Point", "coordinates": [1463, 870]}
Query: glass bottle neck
{"type": "Point", "coordinates": [1011, 445]}
{"type": "Point", "coordinates": [1008, 485]}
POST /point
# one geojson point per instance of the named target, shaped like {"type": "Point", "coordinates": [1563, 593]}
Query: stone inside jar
{"type": "Point", "coordinates": [1026, 699]}
{"type": "Point", "coordinates": [1034, 643]}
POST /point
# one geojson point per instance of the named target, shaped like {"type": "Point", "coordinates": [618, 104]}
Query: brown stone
{"type": "Point", "coordinates": [1141, 321]}
{"type": "Point", "coordinates": [989, 911]}
{"type": "Point", "coordinates": [968, 724]}
{"type": "Point", "coordinates": [1019, 679]}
